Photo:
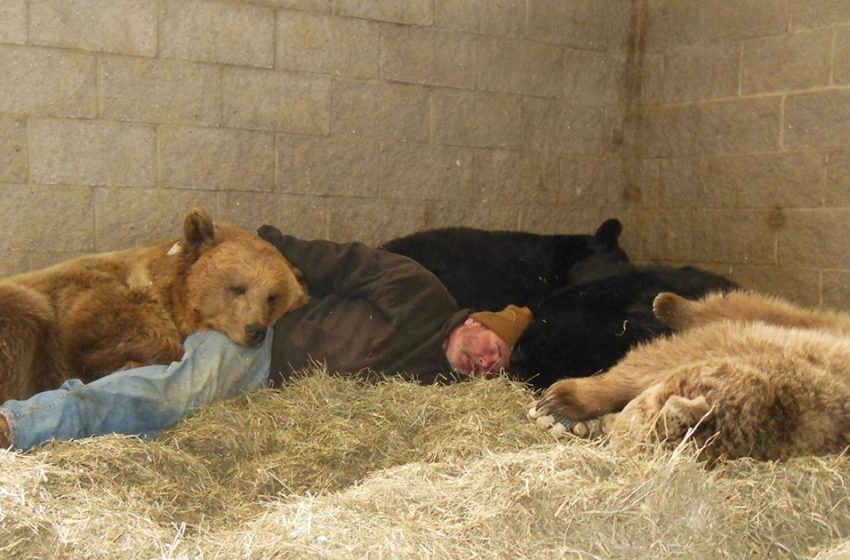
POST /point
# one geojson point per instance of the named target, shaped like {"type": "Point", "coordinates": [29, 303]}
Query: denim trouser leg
{"type": "Point", "coordinates": [141, 401]}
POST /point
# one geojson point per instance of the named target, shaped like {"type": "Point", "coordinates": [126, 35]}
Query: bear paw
{"type": "Point", "coordinates": [557, 425]}
{"type": "Point", "coordinates": [671, 309]}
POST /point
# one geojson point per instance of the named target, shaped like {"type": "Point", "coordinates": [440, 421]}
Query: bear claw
{"type": "Point", "coordinates": [557, 426]}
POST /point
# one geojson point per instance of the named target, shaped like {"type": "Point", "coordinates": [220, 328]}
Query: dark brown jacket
{"type": "Point", "coordinates": [370, 310]}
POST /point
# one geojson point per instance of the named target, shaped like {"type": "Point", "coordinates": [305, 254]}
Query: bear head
{"type": "Point", "coordinates": [234, 282]}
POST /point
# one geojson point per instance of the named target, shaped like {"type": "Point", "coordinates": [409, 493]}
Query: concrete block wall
{"type": "Point", "coordinates": [740, 157]}
{"type": "Point", "coordinates": [343, 119]}
{"type": "Point", "coordinates": [718, 131]}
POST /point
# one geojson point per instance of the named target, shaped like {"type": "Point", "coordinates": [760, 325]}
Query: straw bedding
{"type": "Point", "coordinates": [335, 468]}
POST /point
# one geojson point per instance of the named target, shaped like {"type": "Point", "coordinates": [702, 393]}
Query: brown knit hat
{"type": "Point", "coordinates": [509, 323]}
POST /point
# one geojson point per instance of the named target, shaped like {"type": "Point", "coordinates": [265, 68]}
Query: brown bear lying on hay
{"type": "Point", "coordinates": [97, 314]}
{"type": "Point", "coordinates": [747, 376]}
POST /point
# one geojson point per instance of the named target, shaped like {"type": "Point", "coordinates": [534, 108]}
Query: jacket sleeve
{"type": "Point", "coordinates": [391, 282]}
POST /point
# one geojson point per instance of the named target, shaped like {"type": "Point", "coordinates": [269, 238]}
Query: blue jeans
{"type": "Point", "coordinates": [141, 401]}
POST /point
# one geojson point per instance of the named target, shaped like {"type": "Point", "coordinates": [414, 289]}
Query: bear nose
{"type": "Point", "coordinates": [255, 334]}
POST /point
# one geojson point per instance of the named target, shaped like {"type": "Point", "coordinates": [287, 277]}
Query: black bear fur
{"type": "Point", "coordinates": [487, 270]}
{"type": "Point", "coordinates": [588, 327]}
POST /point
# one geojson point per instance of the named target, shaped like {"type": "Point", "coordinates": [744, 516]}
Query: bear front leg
{"type": "Point", "coordinates": [589, 397]}
{"type": "Point", "coordinates": [113, 328]}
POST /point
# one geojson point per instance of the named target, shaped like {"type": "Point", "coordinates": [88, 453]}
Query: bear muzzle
{"type": "Point", "coordinates": [255, 334]}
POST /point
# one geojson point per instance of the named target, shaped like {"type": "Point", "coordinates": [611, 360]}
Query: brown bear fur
{"type": "Point", "coordinates": [96, 314]}
{"type": "Point", "coordinates": [747, 376]}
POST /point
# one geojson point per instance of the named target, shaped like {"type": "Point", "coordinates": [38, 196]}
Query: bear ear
{"type": "Point", "coordinates": [687, 411]}
{"type": "Point", "coordinates": [609, 232]}
{"type": "Point", "coordinates": [270, 234]}
{"type": "Point", "coordinates": [198, 229]}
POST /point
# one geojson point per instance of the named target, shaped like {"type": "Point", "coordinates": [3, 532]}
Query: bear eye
{"type": "Point", "coordinates": [237, 289]}
{"type": "Point", "coordinates": [272, 299]}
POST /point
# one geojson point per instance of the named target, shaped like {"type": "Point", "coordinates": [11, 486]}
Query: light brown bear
{"type": "Point", "coordinates": [100, 313]}
{"type": "Point", "coordinates": [747, 375]}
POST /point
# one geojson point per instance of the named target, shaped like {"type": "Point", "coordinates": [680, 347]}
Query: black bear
{"type": "Point", "coordinates": [487, 270]}
{"type": "Point", "coordinates": [588, 327]}
{"type": "Point", "coordinates": [590, 304]}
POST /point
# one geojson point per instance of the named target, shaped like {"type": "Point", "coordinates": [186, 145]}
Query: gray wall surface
{"type": "Point", "coordinates": [718, 130]}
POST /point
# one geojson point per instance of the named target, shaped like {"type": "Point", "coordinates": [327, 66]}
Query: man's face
{"type": "Point", "coordinates": [475, 350]}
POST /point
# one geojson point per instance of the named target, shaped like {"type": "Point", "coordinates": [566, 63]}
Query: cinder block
{"type": "Point", "coordinates": [279, 101]}
{"type": "Point", "coordinates": [476, 214]}
{"type": "Point", "coordinates": [540, 219]}
{"type": "Point", "coordinates": [380, 110]}
{"type": "Point", "coordinates": [328, 45]}
{"type": "Point", "coordinates": [76, 152]}
{"type": "Point", "coordinates": [806, 14]}
{"type": "Point", "coordinates": [837, 167]}
{"type": "Point", "coordinates": [817, 120]}
{"type": "Point", "coordinates": [373, 220]}
{"type": "Point", "coordinates": [584, 181]}
{"type": "Point", "coordinates": [560, 126]}
{"type": "Point", "coordinates": [25, 206]}
{"type": "Point", "coordinates": [347, 166]}
{"type": "Point", "coordinates": [505, 18]}
{"type": "Point", "coordinates": [740, 126]}
{"type": "Point", "coordinates": [787, 62]}
{"type": "Point", "coordinates": [517, 177]}
{"type": "Point", "coordinates": [699, 72]}
{"type": "Point", "coordinates": [423, 172]}
{"type": "Point", "coordinates": [303, 216]}
{"type": "Point", "coordinates": [15, 262]}
{"type": "Point", "coordinates": [651, 78]}
{"type": "Point", "coordinates": [815, 238]}
{"type": "Point", "coordinates": [669, 131]}
{"type": "Point", "coordinates": [159, 91]}
{"type": "Point", "coordinates": [425, 56]}
{"type": "Point", "coordinates": [797, 284]}
{"type": "Point", "coordinates": [577, 23]}
{"type": "Point", "coordinates": [516, 66]}
{"type": "Point", "coordinates": [119, 26]}
{"type": "Point", "coordinates": [325, 6]}
{"type": "Point", "coordinates": [671, 23]}
{"type": "Point", "coordinates": [841, 56]}
{"type": "Point", "coordinates": [836, 288]}
{"type": "Point", "coordinates": [14, 147]}
{"type": "Point", "coordinates": [217, 31]}
{"type": "Point", "coordinates": [731, 20]}
{"type": "Point", "coordinates": [13, 21]}
{"type": "Point", "coordinates": [216, 159]}
{"type": "Point", "coordinates": [734, 235]}
{"type": "Point", "coordinates": [627, 181]}
{"type": "Point", "coordinates": [479, 119]}
{"type": "Point", "coordinates": [129, 217]}
{"type": "Point", "coordinates": [414, 12]}
{"type": "Point", "coordinates": [47, 82]}
{"type": "Point", "coordinates": [793, 180]}
{"type": "Point", "coordinates": [43, 259]}
{"type": "Point", "coordinates": [593, 77]}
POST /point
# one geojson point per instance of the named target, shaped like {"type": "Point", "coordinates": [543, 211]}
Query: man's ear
{"type": "Point", "coordinates": [198, 230]}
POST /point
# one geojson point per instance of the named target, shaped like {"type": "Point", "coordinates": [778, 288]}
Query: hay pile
{"type": "Point", "coordinates": [334, 468]}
